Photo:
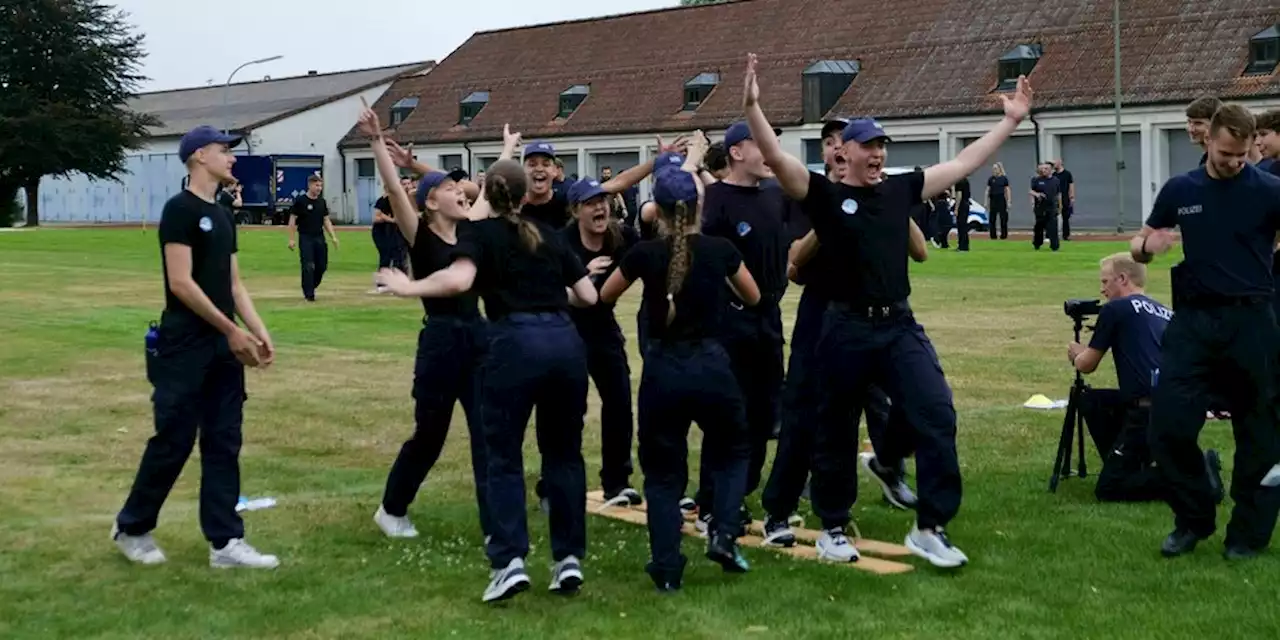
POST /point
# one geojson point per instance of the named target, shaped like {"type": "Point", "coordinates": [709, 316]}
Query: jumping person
{"type": "Point", "coordinates": [600, 241]}
{"type": "Point", "coordinates": [548, 203]}
{"type": "Point", "coordinates": [528, 279]}
{"type": "Point", "coordinates": [309, 220]}
{"type": "Point", "coordinates": [687, 375]}
{"type": "Point", "coordinates": [196, 364]}
{"type": "Point", "coordinates": [869, 333]}
{"type": "Point", "coordinates": [451, 344]}
{"type": "Point", "coordinates": [999, 195]}
{"type": "Point", "coordinates": [1221, 339]}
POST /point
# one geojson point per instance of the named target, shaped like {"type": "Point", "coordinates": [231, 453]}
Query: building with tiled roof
{"type": "Point", "coordinates": [600, 89]}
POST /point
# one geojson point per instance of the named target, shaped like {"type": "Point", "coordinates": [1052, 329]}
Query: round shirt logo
{"type": "Point", "coordinates": [849, 206]}
{"type": "Point", "coordinates": [743, 228]}
{"type": "Point", "coordinates": [206, 225]}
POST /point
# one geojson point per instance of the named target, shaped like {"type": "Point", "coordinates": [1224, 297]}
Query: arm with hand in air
{"type": "Point", "coordinates": [941, 177]}
{"type": "Point", "coordinates": [791, 173]}
{"type": "Point", "coordinates": [406, 212]}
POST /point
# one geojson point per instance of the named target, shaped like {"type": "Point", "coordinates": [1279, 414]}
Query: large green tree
{"type": "Point", "coordinates": [67, 68]}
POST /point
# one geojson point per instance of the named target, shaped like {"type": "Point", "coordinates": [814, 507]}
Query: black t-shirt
{"type": "Point", "coordinates": [1132, 328]}
{"type": "Point", "coordinates": [1065, 180]}
{"type": "Point", "coordinates": [866, 230]}
{"type": "Point", "coordinates": [703, 297]}
{"type": "Point", "coordinates": [598, 318]}
{"type": "Point", "coordinates": [227, 200]}
{"type": "Point", "coordinates": [1228, 229]}
{"type": "Point", "coordinates": [380, 227]}
{"type": "Point", "coordinates": [311, 213]}
{"type": "Point", "coordinates": [207, 228]}
{"type": "Point", "coordinates": [963, 194]}
{"type": "Point", "coordinates": [1050, 187]}
{"type": "Point", "coordinates": [509, 277]}
{"type": "Point", "coordinates": [553, 213]}
{"type": "Point", "coordinates": [818, 273]}
{"type": "Point", "coordinates": [754, 219]}
{"type": "Point", "coordinates": [648, 229]}
{"type": "Point", "coordinates": [429, 254]}
{"type": "Point", "coordinates": [995, 188]}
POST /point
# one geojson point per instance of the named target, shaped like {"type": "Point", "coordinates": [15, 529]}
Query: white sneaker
{"type": "Point", "coordinates": [238, 553]}
{"type": "Point", "coordinates": [934, 546]}
{"type": "Point", "coordinates": [507, 582]}
{"type": "Point", "coordinates": [393, 526]}
{"type": "Point", "coordinates": [703, 524]}
{"type": "Point", "coordinates": [566, 576]}
{"type": "Point", "coordinates": [834, 546]}
{"type": "Point", "coordinates": [140, 549]}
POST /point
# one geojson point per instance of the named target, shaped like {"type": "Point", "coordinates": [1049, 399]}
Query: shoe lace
{"type": "Point", "coordinates": [942, 537]}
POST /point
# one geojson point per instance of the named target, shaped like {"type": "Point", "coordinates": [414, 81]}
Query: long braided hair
{"type": "Point", "coordinates": [675, 229]}
{"type": "Point", "coordinates": [504, 187]}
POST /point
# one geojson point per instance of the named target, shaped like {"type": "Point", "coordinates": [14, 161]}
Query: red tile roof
{"type": "Point", "coordinates": [938, 58]}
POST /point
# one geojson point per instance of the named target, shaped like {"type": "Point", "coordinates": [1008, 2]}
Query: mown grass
{"type": "Point", "coordinates": [323, 425]}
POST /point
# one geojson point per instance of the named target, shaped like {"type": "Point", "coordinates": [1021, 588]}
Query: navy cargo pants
{"type": "Point", "coordinates": [314, 254]}
{"type": "Point", "coordinates": [446, 371]}
{"type": "Point", "coordinates": [198, 394]}
{"type": "Point", "coordinates": [1227, 346]}
{"type": "Point", "coordinates": [535, 360]}
{"type": "Point", "coordinates": [885, 346]}
{"type": "Point", "coordinates": [608, 368]}
{"type": "Point", "coordinates": [684, 383]}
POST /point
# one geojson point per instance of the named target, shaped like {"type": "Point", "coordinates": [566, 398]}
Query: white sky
{"type": "Point", "coordinates": [353, 34]}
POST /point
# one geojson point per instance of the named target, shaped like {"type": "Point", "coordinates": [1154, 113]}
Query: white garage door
{"type": "Point", "coordinates": [1018, 155]}
{"type": "Point", "coordinates": [1091, 158]}
{"type": "Point", "coordinates": [911, 154]}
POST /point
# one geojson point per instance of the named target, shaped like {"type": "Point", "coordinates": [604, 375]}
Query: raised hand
{"type": "Point", "coordinates": [368, 121]}
{"type": "Point", "coordinates": [400, 156]}
{"type": "Point", "coordinates": [750, 88]}
{"type": "Point", "coordinates": [510, 140]}
{"type": "Point", "coordinates": [1018, 105]}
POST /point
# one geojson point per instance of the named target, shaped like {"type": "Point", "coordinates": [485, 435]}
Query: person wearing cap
{"type": "Point", "coordinates": [687, 376]}
{"type": "Point", "coordinates": [196, 364]}
{"type": "Point", "coordinates": [754, 219]}
{"type": "Point", "coordinates": [551, 206]}
{"type": "Point", "coordinates": [451, 344]}
{"type": "Point", "coordinates": [309, 221]}
{"type": "Point", "coordinates": [869, 332]}
{"type": "Point", "coordinates": [600, 241]}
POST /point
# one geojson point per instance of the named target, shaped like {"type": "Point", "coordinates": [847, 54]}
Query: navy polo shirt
{"type": "Point", "coordinates": [1228, 229]}
{"type": "Point", "coordinates": [1050, 187]}
{"type": "Point", "coordinates": [1132, 327]}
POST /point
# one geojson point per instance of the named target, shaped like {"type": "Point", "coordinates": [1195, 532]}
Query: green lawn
{"type": "Point", "coordinates": [323, 425]}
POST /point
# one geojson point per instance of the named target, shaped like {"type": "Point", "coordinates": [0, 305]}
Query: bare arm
{"type": "Point", "coordinates": [406, 212]}
{"type": "Point", "coordinates": [940, 177]}
{"type": "Point", "coordinates": [744, 286]}
{"type": "Point", "coordinates": [1008, 194]}
{"type": "Point", "coordinates": [453, 280]}
{"type": "Point", "coordinates": [244, 303]}
{"type": "Point", "coordinates": [293, 229]}
{"type": "Point", "coordinates": [791, 173]}
{"type": "Point", "coordinates": [614, 287]}
{"type": "Point", "coordinates": [238, 201]}
{"type": "Point", "coordinates": [1087, 361]}
{"type": "Point", "coordinates": [583, 293]}
{"type": "Point", "coordinates": [177, 258]}
{"type": "Point", "coordinates": [917, 248]}
{"type": "Point", "coordinates": [379, 216]}
{"type": "Point", "coordinates": [328, 226]}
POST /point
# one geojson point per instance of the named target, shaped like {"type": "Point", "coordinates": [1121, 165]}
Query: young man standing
{"type": "Point", "coordinates": [1067, 187]}
{"type": "Point", "coordinates": [309, 219]}
{"type": "Point", "coordinates": [1199, 112]}
{"type": "Point", "coordinates": [195, 361]}
{"type": "Point", "coordinates": [1046, 203]}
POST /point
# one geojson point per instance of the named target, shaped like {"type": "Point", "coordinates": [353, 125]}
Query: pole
{"type": "Point", "coordinates": [226, 90]}
{"type": "Point", "coordinates": [1115, 20]}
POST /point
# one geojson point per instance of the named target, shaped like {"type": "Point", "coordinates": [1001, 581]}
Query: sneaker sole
{"type": "Point", "coordinates": [825, 557]}
{"type": "Point", "coordinates": [407, 534]}
{"type": "Point", "coordinates": [511, 590]}
{"type": "Point", "coordinates": [787, 541]}
{"type": "Point", "coordinates": [884, 486]}
{"type": "Point", "coordinates": [934, 560]}
{"type": "Point", "coordinates": [729, 564]}
{"type": "Point", "coordinates": [224, 565]}
{"type": "Point", "coordinates": [568, 584]}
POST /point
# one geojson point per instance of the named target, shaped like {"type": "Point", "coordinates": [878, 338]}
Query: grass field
{"type": "Point", "coordinates": [323, 425]}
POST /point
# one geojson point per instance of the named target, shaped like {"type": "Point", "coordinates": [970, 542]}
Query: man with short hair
{"type": "Point", "coordinates": [1067, 185]}
{"type": "Point", "coordinates": [1223, 337]}
{"type": "Point", "coordinates": [1199, 113]}
{"type": "Point", "coordinates": [1046, 202]}
{"type": "Point", "coordinates": [195, 360]}
{"type": "Point", "coordinates": [1131, 326]}
{"type": "Point", "coordinates": [309, 219]}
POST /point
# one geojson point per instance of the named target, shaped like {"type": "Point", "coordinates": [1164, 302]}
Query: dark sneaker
{"type": "Point", "coordinates": [777, 533]}
{"type": "Point", "coordinates": [723, 549]}
{"type": "Point", "coordinates": [626, 496]}
{"type": "Point", "coordinates": [896, 491]}
{"type": "Point", "coordinates": [1180, 542]}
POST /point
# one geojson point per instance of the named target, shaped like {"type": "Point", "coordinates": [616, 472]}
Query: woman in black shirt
{"type": "Point", "coordinates": [687, 377]}
{"type": "Point", "coordinates": [998, 202]}
{"type": "Point", "coordinates": [528, 279]}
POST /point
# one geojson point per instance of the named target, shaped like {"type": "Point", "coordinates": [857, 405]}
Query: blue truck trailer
{"type": "Point", "coordinates": [270, 183]}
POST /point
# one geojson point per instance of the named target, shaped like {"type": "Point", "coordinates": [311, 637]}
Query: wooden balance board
{"type": "Point", "coordinates": [637, 515]}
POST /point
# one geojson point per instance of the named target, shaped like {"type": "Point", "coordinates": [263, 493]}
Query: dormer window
{"type": "Point", "coordinates": [471, 106]}
{"type": "Point", "coordinates": [572, 98]}
{"type": "Point", "coordinates": [401, 109]}
{"type": "Point", "coordinates": [1264, 52]}
{"type": "Point", "coordinates": [823, 83]}
{"type": "Point", "coordinates": [697, 88]}
{"type": "Point", "coordinates": [1017, 62]}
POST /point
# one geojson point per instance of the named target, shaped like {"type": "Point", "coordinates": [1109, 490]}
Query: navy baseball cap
{"type": "Point", "coordinates": [458, 175]}
{"type": "Point", "coordinates": [668, 160]}
{"type": "Point", "coordinates": [428, 182]}
{"type": "Point", "coordinates": [833, 125]}
{"type": "Point", "coordinates": [864, 130]}
{"type": "Point", "coordinates": [674, 186]}
{"type": "Point", "coordinates": [539, 148]}
{"type": "Point", "coordinates": [584, 190]}
{"type": "Point", "coordinates": [202, 136]}
{"type": "Point", "coordinates": [739, 131]}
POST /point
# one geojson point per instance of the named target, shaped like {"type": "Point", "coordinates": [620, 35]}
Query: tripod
{"type": "Point", "coordinates": [1072, 427]}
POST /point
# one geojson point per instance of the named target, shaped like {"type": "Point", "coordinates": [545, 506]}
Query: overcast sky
{"type": "Point", "coordinates": [354, 34]}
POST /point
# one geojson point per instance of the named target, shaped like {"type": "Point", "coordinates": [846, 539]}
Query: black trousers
{"type": "Point", "coordinates": [890, 349]}
{"type": "Point", "coordinates": [391, 246]}
{"type": "Point", "coordinates": [1046, 225]}
{"type": "Point", "coordinates": [962, 228]}
{"type": "Point", "coordinates": [683, 383]}
{"type": "Point", "coordinates": [1067, 210]}
{"type": "Point", "coordinates": [446, 371]}
{"type": "Point", "coordinates": [535, 360]}
{"type": "Point", "coordinates": [942, 225]}
{"type": "Point", "coordinates": [314, 254]}
{"type": "Point", "coordinates": [1231, 350]}
{"type": "Point", "coordinates": [752, 337]}
{"type": "Point", "coordinates": [198, 394]}
{"type": "Point", "coordinates": [998, 216]}
{"type": "Point", "coordinates": [1119, 431]}
{"type": "Point", "coordinates": [608, 368]}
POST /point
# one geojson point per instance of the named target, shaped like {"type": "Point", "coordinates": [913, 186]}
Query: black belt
{"type": "Point", "coordinates": [873, 311]}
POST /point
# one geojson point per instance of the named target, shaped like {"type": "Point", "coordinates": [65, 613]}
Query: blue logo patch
{"type": "Point", "coordinates": [849, 206]}
{"type": "Point", "coordinates": [206, 225]}
{"type": "Point", "coordinates": [743, 228]}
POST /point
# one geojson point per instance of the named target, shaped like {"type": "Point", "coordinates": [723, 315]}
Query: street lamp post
{"type": "Point", "coordinates": [1115, 23]}
{"type": "Point", "coordinates": [226, 89]}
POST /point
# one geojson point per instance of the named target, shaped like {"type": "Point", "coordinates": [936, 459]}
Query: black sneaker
{"type": "Point", "coordinates": [666, 580]}
{"type": "Point", "coordinates": [1180, 542]}
{"type": "Point", "coordinates": [896, 491]}
{"type": "Point", "coordinates": [723, 549]}
{"type": "Point", "coordinates": [777, 533]}
{"type": "Point", "coordinates": [626, 496]}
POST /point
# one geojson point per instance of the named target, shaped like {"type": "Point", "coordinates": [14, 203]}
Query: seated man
{"type": "Point", "coordinates": [1132, 326]}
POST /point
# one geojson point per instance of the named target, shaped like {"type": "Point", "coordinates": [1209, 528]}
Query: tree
{"type": "Point", "coordinates": [695, 3]}
{"type": "Point", "coordinates": [68, 69]}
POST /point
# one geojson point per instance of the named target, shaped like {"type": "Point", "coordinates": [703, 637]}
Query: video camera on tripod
{"type": "Point", "coordinates": [1073, 423]}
